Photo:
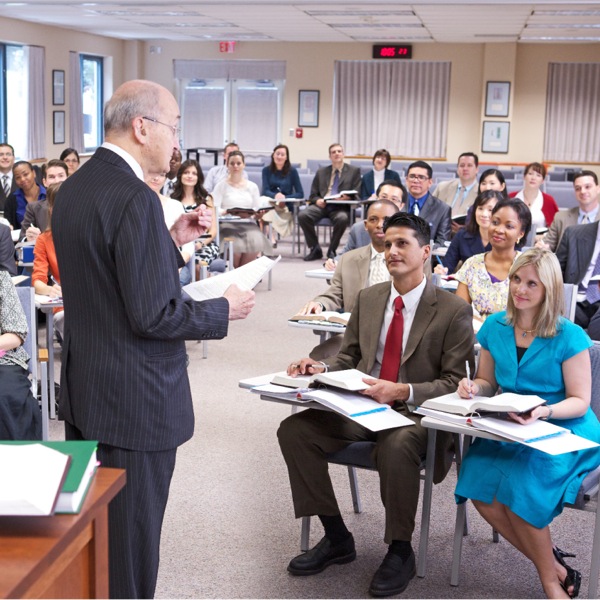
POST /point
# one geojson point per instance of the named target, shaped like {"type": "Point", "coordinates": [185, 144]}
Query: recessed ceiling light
{"type": "Point", "coordinates": [567, 13]}
{"type": "Point", "coordinates": [360, 13]}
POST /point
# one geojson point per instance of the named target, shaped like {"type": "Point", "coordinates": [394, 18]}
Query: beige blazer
{"type": "Point", "coordinates": [446, 191]}
{"type": "Point", "coordinates": [441, 340]}
{"type": "Point", "coordinates": [562, 220]}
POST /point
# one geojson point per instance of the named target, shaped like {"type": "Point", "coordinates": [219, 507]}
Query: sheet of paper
{"type": "Point", "coordinates": [246, 278]}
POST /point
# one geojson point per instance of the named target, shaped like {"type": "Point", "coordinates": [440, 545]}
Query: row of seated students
{"type": "Point", "coordinates": [413, 340]}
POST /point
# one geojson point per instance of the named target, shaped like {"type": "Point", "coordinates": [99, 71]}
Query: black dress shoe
{"type": "Point", "coordinates": [314, 254]}
{"type": "Point", "coordinates": [321, 556]}
{"type": "Point", "coordinates": [393, 575]}
{"type": "Point", "coordinates": [331, 254]}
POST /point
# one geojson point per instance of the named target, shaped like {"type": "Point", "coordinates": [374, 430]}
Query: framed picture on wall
{"type": "Point", "coordinates": [495, 137]}
{"type": "Point", "coordinates": [58, 127]}
{"type": "Point", "coordinates": [497, 96]}
{"type": "Point", "coordinates": [58, 87]}
{"type": "Point", "coordinates": [308, 108]}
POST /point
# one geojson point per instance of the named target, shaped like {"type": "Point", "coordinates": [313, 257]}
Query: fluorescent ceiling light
{"type": "Point", "coordinates": [563, 26]}
{"type": "Point", "coordinates": [567, 13]}
{"type": "Point", "coordinates": [375, 25]}
{"type": "Point", "coordinates": [360, 13]}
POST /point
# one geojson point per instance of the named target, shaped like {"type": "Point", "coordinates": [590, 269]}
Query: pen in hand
{"type": "Point", "coordinates": [469, 378]}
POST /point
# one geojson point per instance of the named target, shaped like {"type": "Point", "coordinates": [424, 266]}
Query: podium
{"type": "Point", "coordinates": [63, 556]}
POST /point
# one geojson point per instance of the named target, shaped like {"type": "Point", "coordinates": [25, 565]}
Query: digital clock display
{"type": "Point", "coordinates": [392, 51]}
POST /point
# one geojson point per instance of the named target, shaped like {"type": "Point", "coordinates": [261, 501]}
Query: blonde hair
{"type": "Point", "coordinates": [546, 322]}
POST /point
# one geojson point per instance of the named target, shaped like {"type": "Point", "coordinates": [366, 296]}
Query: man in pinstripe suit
{"type": "Point", "coordinates": [124, 378]}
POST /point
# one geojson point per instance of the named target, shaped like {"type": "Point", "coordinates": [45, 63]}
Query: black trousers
{"type": "Point", "coordinates": [20, 416]}
{"type": "Point", "coordinates": [135, 516]}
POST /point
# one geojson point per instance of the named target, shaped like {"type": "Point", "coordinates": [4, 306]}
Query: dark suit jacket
{"type": "Point", "coordinates": [368, 182]}
{"type": "Point", "coordinates": [3, 196]}
{"type": "Point", "coordinates": [463, 246]}
{"type": "Point", "coordinates": [349, 180]}
{"type": "Point", "coordinates": [124, 370]}
{"type": "Point", "coordinates": [440, 341]}
{"type": "Point", "coordinates": [36, 214]}
{"type": "Point", "coordinates": [7, 250]}
{"type": "Point", "coordinates": [576, 250]}
{"type": "Point", "coordinates": [439, 216]}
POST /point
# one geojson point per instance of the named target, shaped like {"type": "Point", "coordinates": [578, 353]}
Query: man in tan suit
{"type": "Point", "coordinates": [460, 193]}
{"type": "Point", "coordinates": [587, 192]}
{"type": "Point", "coordinates": [436, 342]}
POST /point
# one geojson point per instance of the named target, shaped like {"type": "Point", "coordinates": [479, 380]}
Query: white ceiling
{"type": "Point", "coordinates": [466, 21]}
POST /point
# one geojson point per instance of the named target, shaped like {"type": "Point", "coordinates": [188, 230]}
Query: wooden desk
{"type": "Point", "coordinates": [64, 556]}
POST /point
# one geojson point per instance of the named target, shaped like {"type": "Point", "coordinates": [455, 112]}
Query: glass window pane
{"type": "Point", "coordinates": [17, 81]}
{"type": "Point", "coordinates": [256, 117]}
{"type": "Point", "coordinates": [204, 106]}
{"type": "Point", "coordinates": [91, 90]}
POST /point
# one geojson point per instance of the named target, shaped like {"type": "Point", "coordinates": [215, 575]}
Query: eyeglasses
{"type": "Point", "coordinates": [176, 130]}
{"type": "Point", "coordinates": [414, 177]}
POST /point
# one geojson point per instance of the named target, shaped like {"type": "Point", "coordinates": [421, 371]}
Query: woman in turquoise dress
{"type": "Point", "coordinates": [532, 349]}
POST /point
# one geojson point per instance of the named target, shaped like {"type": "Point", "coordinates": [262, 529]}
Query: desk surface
{"type": "Point", "coordinates": [35, 550]}
{"type": "Point", "coordinates": [319, 273]}
{"type": "Point", "coordinates": [318, 326]}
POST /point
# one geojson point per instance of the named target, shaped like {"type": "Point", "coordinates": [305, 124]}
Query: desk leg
{"type": "Point", "coordinates": [459, 526]}
{"type": "Point", "coordinates": [50, 346]}
{"type": "Point", "coordinates": [427, 493]}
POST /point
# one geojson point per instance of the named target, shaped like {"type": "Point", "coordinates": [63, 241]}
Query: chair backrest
{"type": "Point", "coordinates": [570, 301]}
{"type": "Point", "coordinates": [595, 361]}
{"type": "Point", "coordinates": [27, 299]}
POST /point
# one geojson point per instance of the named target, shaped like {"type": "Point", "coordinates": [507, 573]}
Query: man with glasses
{"type": "Point", "coordinates": [7, 183]}
{"type": "Point", "coordinates": [124, 369]}
{"type": "Point", "coordinates": [423, 204]}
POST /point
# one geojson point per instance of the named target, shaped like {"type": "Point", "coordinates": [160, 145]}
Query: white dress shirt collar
{"type": "Point", "coordinates": [134, 164]}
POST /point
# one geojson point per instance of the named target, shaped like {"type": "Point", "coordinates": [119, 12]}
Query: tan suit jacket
{"type": "Point", "coordinates": [562, 220]}
{"type": "Point", "coordinates": [351, 275]}
{"type": "Point", "coordinates": [441, 340]}
{"type": "Point", "coordinates": [446, 191]}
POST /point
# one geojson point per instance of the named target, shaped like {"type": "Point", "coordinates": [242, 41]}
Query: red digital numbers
{"type": "Point", "coordinates": [387, 52]}
{"type": "Point", "coordinates": [392, 51]}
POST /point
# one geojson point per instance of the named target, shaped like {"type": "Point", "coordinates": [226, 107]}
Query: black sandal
{"type": "Point", "coordinates": [573, 577]}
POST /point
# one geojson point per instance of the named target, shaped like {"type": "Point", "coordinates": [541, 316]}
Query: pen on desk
{"type": "Point", "coordinates": [439, 260]}
{"type": "Point", "coordinates": [469, 378]}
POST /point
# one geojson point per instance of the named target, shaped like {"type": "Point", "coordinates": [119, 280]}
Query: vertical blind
{"type": "Point", "coordinates": [573, 113]}
{"type": "Point", "coordinates": [401, 106]}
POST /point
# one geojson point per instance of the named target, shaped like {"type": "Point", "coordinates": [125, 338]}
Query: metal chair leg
{"type": "Point", "coordinates": [305, 534]}
{"type": "Point", "coordinates": [356, 503]}
{"type": "Point", "coordinates": [427, 493]}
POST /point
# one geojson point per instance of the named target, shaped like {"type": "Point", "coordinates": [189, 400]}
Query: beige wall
{"type": "Point", "coordinates": [310, 66]}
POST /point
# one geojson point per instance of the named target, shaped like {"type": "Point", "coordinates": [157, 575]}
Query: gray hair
{"type": "Point", "coordinates": [132, 99]}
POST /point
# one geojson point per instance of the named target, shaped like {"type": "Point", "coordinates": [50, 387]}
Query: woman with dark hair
{"type": "Point", "coordinates": [484, 277]}
{"type": "Point", "coordinates": [28, 190]}
{"type": "Point", "coordinates": [70, 157]}
{"type": "Point", "coordinates": [493, 179]}
{"type": "Point", "coordinates": [46, 278]}
{"type": "Point", "coordinates": [20, 416]}
{"type": "Point", "coordinates": [543, 206]}
{"type": "Point", "coordinates": [371, 180]}
{"type": "Point", "coordinates": [474, 237]}
{"type": "Point", "coordinates": [189, 190]}
{"type": "Point", "coordinates": [532, 349]}
{"type": "Point", "coordinates": [280, 181]}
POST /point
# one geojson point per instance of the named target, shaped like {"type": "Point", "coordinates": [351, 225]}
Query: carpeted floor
{"type": "Point", "coordinates": [229, 530]}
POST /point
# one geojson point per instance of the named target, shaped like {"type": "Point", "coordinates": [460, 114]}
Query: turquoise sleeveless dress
{"type": "Point", "coordinates": [533, 484]}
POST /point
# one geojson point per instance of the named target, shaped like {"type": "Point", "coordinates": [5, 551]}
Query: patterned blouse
{"type": "Point", "coordinates": [12, 320]}
{"type": "Point", "coordinates": [487, 296]}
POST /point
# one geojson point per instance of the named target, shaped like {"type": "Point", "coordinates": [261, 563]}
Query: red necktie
{"type": "Point", "coordinates": [392, 351]}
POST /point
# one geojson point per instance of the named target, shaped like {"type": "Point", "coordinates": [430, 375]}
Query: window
{"type": "Point", "coordinates": [237, 100]}
{"type": "Point", "coordinates": [92, 68]}
{"type": "Point", "coordinates": [14, 106]}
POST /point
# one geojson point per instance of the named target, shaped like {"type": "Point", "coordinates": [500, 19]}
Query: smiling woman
{"type": "Point", "coordinates": [484, 277]}
{"type": "Point", "coordinates": [27, 191]}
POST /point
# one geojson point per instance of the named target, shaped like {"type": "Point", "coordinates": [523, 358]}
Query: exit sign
{"type": "Point", "coordinates": [392, 51]}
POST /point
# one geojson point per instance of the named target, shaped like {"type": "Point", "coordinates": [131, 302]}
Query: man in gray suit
{"type": "Point", "coordinates": [587, 192]}
{"type": "Point", "coordinates": [329, 181]}
{"type": "Point", "coordinates": [413, 339]}
{"type": "Point", "coordinates": [124, 369]}
{"type": "Point", "coordinates": [356, 270]}
{"type": "Point", "coordinates": [7, 182]}
{"type": "Point", "coordinates": [425, 205]}
{"type": "Point", "coordinates": [579, 258]}
{"type": "Point", "coordinates": [460, 193]}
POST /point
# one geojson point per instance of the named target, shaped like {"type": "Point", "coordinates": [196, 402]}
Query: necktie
{"type": "Point", "coordinates": [457, 195]}
{"type": "Point", "coordinates": [585, 220]}
{"type": "Point", "coordinates": [415, 209]}
{"type": "Point", "coordinates": [392, 351]}
{"type": "Point", "coordinates": [592, 293]}
{"type": "Point", "coordinates": [379, 272]}
{"type": "Point", "coordinates": [335, 187]}
{"type": "Point", "coordinates": [5, 185]}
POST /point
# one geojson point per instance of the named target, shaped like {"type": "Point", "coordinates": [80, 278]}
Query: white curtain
{"type": "Point", "coordinates": [36, 134]}
{"type": "Point", "coordinates": [573, 113]}
{"type": "Point", "coordinates": [400, 106]}
{"type": "Point", "coordinates": [75, 103]}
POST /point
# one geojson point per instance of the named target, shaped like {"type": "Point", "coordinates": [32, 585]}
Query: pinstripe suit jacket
{"type": "Point", "coordinates": [124, 368]}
